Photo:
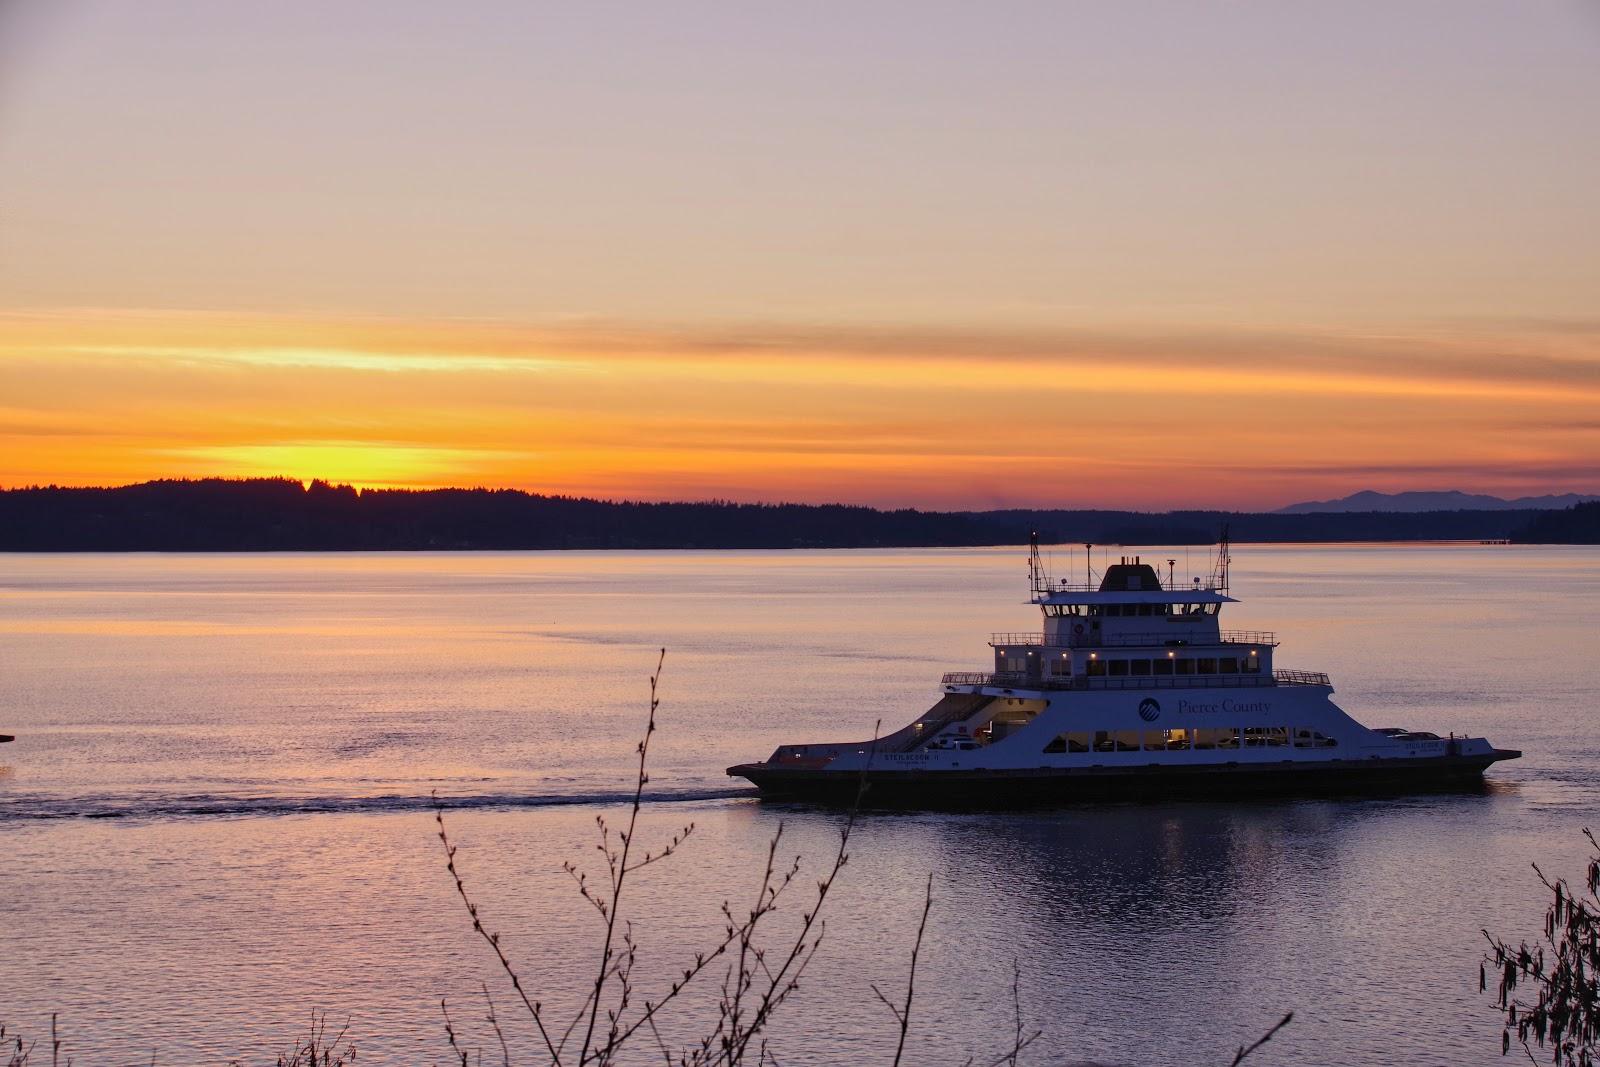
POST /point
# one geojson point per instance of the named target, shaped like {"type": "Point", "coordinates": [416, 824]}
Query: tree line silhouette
{"type": "Point", "coordinates": [280, 514]}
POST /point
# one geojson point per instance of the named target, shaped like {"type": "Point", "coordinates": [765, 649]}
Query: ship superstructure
{"type": "Point", "coordinates": [1132, 689]}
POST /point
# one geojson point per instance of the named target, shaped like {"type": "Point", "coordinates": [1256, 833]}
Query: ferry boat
{"type": "Point", "coordinates": [1133, 691]}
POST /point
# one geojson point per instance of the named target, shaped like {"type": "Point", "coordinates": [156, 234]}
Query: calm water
{"type": "Point", "coordinates": [215, 818]}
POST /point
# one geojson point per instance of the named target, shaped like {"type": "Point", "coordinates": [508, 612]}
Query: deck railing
{"type": "Point", "coordinates": [1147, 638]}
{"type": "Point", "coordinates": [1021, 680]}
{"type": "Point", "coordinates": [1046, 586]}
{"type": "Point", "coordinates": [1301, 678]}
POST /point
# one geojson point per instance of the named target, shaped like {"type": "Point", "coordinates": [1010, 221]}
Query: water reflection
{"type": "Point", "coordinates": [327, 695]}
{"type": "Point", "coordinates": [1213, 918]}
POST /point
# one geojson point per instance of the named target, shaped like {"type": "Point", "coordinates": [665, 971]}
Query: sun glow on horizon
{"type": "Point", "coordinates": [923, 418]}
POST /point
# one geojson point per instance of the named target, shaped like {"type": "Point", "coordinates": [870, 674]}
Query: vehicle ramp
{"type": "Point", "coordinates": [953, 708]}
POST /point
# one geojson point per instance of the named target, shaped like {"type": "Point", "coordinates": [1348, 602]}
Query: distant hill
{"type": "Point", "coordinates": [276, 514]}
{"type": "Point", "coordinates": [1201, 527]}
{"type": "Point", "coordinates": [1453, 500]}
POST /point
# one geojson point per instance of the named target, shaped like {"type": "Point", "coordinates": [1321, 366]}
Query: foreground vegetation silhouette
{"type": "Point", "coordinates": [1553, 1001]}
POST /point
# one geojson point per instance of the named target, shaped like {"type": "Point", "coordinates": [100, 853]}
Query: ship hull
{"type": "Point", "coordinates": [1044, 787]}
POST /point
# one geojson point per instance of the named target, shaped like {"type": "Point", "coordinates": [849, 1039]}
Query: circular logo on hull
{"type": "Point", "coordinates": [1149, 709]}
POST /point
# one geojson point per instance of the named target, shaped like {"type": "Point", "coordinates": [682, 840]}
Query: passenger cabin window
{"type": "Point", "coordinates": [1166, 740]}
{"type": "Point", "coordinates": [1139, 666]}
{"type": "Point", "coordinates": [1266, 736]}
{"type": "Point", "coordinates": [1119, 668]}
{"type": "Point", "coordinates": [1071, 741]}
{"type": "Point", "coordinates": [1202, 739]}
{"type": "Point", "coordinates": [1313, 739]}
{"type": "Point", "coordinates": [1111, 741]}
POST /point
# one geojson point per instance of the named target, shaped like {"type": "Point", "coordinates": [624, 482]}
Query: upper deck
{"type": "Point", "coordinates": [1131, 624]}
{"type": "Point", "coordinates": [1131, 581]}
{"type": "Point", "coordinates": [1084, 595]}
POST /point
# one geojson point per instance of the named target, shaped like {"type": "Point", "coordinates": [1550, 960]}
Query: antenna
{"type": "Point", "coordinates": [1172, 566]}
{"type": "Point", "coordinates": [1035, 568]}
{"type": "Point", "coordinates": [1088, 564]}
{"type": "Point", "coordinates": [1219, 578]}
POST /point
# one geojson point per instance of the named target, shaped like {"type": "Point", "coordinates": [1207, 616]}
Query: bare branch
{"type": "Point", "coordinates": [902, 1015]}
{"type": "Point", "coordinates": [1244, 1051]}
{"type": "Point", "coordinates": [450, 1032]}
{"type": "Point", "coordinates": [494, 1024]}
{"type": "Point", "coordinates": [493, 940]}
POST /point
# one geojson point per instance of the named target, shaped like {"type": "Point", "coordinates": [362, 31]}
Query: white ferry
{"type": "Point", "coordinates": [1131, 691]}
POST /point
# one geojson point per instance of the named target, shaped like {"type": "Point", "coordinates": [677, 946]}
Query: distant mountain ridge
{"type": "Point", "coordinates": [1452, 500]}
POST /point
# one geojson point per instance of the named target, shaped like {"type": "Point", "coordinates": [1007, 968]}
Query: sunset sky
{"type": "Point", "coordinates": [1142, 255]}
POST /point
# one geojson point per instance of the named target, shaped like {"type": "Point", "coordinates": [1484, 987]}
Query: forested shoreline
{"type": "Point", "coordinates": [279, 514]}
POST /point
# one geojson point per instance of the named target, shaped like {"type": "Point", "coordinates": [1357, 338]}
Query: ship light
{"type": "Point", "coordinates": [1094, 655]}
{"type": "Point", "coordinates": [1172, 654]}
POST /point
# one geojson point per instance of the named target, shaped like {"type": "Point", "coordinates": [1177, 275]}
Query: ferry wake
{"type": "Point", "coordinates": [1131, 691]}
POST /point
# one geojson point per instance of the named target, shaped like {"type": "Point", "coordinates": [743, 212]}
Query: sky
{"type": "Point", "coordinates": [1145, 254]}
